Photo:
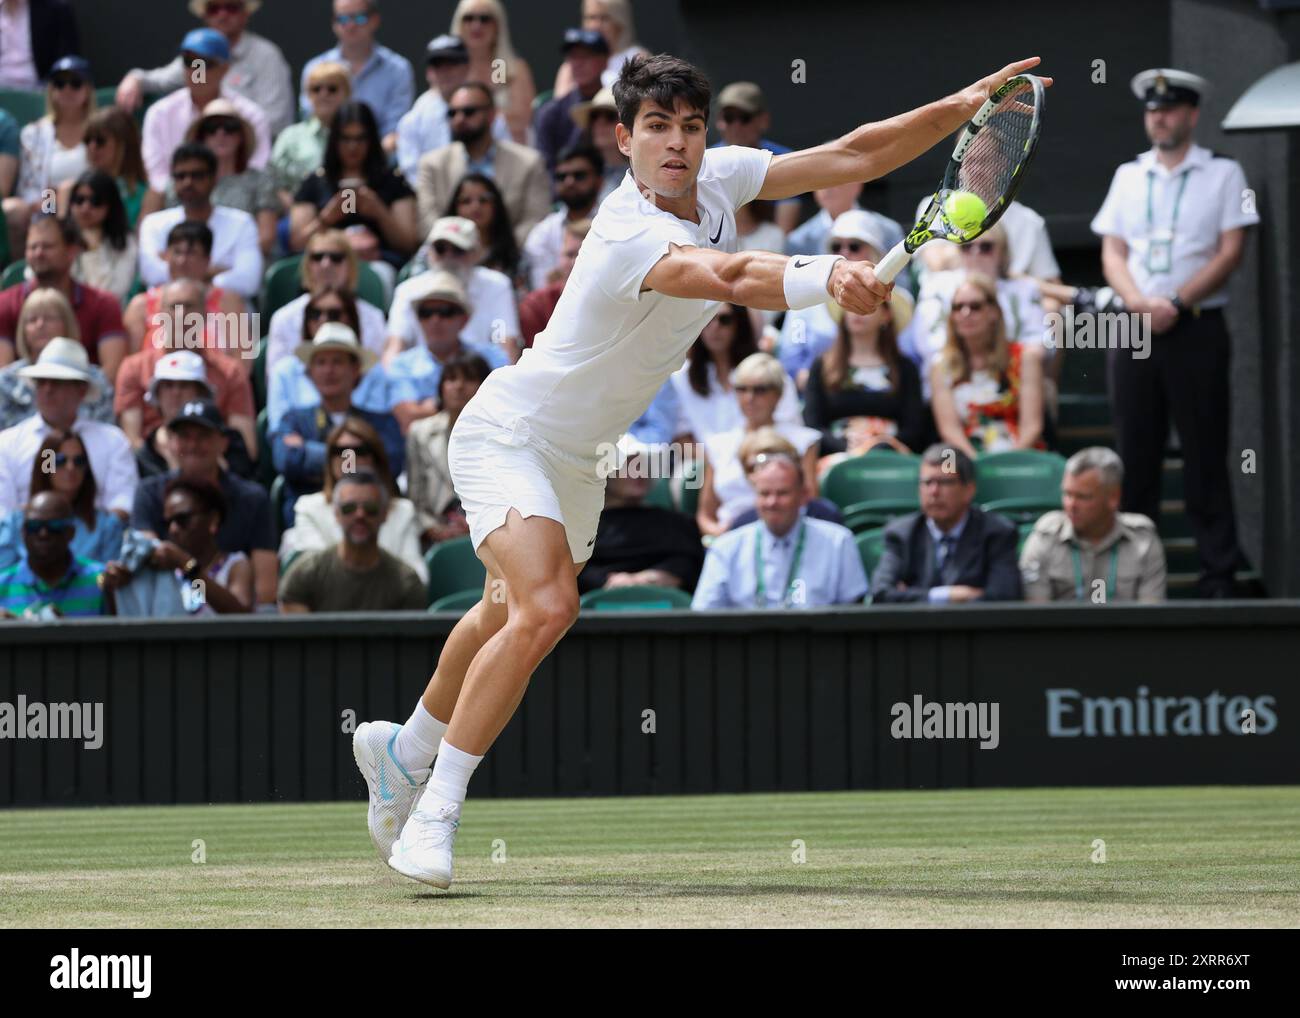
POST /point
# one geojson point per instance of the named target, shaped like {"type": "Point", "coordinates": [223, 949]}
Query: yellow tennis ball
{"type": "Point", "coordinates": [964, 210]}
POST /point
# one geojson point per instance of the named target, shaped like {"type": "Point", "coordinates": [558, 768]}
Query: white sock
{"type": "Point", "coordinates": [417, 742]}
{"type": "Point", "coordinates": [450, 779]}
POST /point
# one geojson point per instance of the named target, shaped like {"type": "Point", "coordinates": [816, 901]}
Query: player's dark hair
{"type": "Point", "coordinates": [195, 152]}
{"type": "Point", "coordinates": [582, 150]}
{"type": "Point", "coordinates": [191, 233]}
{"type": "Point", "coordinates": [743, 344]}
{"type": "Point", "coordinates": [663, 79]}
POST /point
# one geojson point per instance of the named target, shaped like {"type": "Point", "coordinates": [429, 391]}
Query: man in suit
{"type": "Point", "coordinates": [517, 170]}
{"type": "Point", "coordinates": [950, 551]}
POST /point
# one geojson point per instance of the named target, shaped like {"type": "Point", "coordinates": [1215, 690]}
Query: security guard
{"type": "Point", "coordinates": [1172, 227]}
{"type": "Point", "coordinates": [1091, 553]}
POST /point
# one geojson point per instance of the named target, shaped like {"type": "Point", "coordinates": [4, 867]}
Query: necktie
{"type": "Point", "coordinates": [947, 560]}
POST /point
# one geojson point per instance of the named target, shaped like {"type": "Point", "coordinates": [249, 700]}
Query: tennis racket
{"type": "Point", "coordinates": [990, 159]}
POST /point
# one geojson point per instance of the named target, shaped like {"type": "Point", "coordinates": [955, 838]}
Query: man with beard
{"type": "Point", "coordinates": [1173, 227]}
{"type": "Point", "coordinates": [517, 170]}
{"type": "Point", "coordinates": [578, 175]}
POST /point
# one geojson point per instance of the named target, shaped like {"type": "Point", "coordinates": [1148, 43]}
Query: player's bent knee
{"type": "Point", "coordinates": [550, 611]}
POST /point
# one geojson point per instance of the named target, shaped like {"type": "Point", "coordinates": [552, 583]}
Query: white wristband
{"type": "Point", "coordinates": [805, 280]}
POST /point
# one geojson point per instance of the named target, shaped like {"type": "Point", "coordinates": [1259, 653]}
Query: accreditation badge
{"type": "Point", "coordinates": [1160, 252]}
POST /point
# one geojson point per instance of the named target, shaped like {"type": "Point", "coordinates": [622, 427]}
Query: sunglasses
{"type": "Point", "coordinates": [318, 89]}
{"type": "Point", "coordinates": [231, 7]}
{"type": "Point", "coordinates": [846, 246]}
{"type": "Point", "coordinates": [343, 20]}
{"type": "Point", "coordinates": [959, 306]}
{"type": "Point", "coordinates": [61, 81]}
{"type": "Point", "coordinates": [425, 311]}
{"type": "Point", "coordinates": [371, 509]}
{"type": "Point", "coordinates": [315, 314]}
{"type": "Point", "coordinates": [463, 111]}
{"type": "Point", "coordinates": [333, 257]}
{"type": "Point", "coordinates": [982, 246]}
{"type": "Point", "coordinates": [181, 520]}
{"type": "Point", "coordinates": [55, 527]}
{"type": "Point", "coordinates": [577, 176]}
{"type": "Point", "coordinates": [88, 199]}
{"type": "Point", "coordinates": [226, 125]}
{"type": "Point", "coordinates": [736, 117]}
{"type": "Point", "coordinates": [443, 248]}
{"type": "Point", "coordinates": [81, 461]}
{"type": "Point", "coordinates": [482, 19]}
{"type": "Point", "coordinates": [357, 450]}
{"type": "Point", "coordinates": [742, 390]}
{"type": "Point", "coordinates": [96, 140]}
{"type": "Point", "coordinates": [726, 318]}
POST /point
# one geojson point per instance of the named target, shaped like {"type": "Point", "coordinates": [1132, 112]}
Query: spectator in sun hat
{"type": "Point", "coordinates": [62, 380]}
{"type": "Point", "coordinates": [258, 70]}
{"type": "Point", "coordinates": [596, 120]}
{"type": "Point", "coordinates": [168, 119]}
{"type": "Point", "coordinates": [335, 361]}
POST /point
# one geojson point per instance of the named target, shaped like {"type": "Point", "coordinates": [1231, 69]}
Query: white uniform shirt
{"type": "Point", "coordinates": [107, 448]}
{"type": "Point", "coordinates": [1212, 202]}
{"type": "Point", "coordinates": [609, 347]}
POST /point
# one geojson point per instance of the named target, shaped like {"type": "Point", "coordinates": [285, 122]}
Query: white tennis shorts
{"type": "Point", "coordinates": [496, 468]}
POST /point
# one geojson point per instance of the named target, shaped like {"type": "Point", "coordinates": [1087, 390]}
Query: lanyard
{"type": "Point", "coordinates": [1178, 198]}
{"type": "Point", "coordinates": [1110, 579]}
{"type": "Point", "coordinates": [760, 595]}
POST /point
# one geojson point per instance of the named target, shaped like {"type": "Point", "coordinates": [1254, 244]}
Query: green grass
{"type": "Point", "coordinates": [1174, 857]}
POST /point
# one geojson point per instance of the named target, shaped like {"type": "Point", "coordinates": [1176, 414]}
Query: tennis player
{"type": "Point", "coordinates": [660, 256]}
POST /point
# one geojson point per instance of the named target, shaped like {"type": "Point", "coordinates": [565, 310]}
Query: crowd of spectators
{"type": "Point", "coordinates": [145, 432]}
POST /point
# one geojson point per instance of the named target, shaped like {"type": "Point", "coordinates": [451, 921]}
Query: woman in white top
{"type": "Point", "coordinates": [53, 147]}
{"type": "Point", "coordinates": [314, 525]}
{"type": "Point", "coordinates": [484, 26]}
{"type": "Point", "coordinates": [703, 384]}
{"type": "Point", "coordinates": [108, 248]}
{"type": "Point", "coordinates": [757, 382]}
{"type": "Point", "coordinates": [613, 20]}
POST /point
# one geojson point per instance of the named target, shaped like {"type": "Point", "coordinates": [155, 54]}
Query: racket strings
{"type": "Point", "coordinates": [996, 152]}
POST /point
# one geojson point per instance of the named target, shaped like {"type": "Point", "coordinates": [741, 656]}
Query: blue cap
{"type": "Point", "coordinates": [79, 66]}
{"type": "Point", "coordinates": [207, 43]}
{"type": "Point", "coordinates": [587, 37]}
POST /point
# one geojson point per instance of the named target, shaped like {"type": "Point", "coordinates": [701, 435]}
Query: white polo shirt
{"type": "Point", "coordinates": [235, 245]}
{"type": "Point", "coordinates": [495, 318]}
{"type": "Point", "coordinates": [609, 347]}
{"type": "Point", "coordinates": [1212, 199]}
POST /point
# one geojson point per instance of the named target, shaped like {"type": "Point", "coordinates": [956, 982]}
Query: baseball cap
{"type": "Point", "coordinates": [79, 66]}
{"type": "Point", "coordinates": [447, 48]}
{"type": "Point", "coordinates": [438, 284]}
{"type": "Point", "coordinates": [207, 43]}
{"type": "Point", "coordinates": [744, 96]}
{"type": "Point", "coordinates": [179, 366]}
{"type": "Point", "coordinates": [202, 412]}
{"type": "Point", "coordinates": [587, 37]}
{"type": "Point", "coordinates": [457, 230]}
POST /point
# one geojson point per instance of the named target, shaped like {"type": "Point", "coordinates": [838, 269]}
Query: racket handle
{"type": "Point", "coordinates": [893, 263]}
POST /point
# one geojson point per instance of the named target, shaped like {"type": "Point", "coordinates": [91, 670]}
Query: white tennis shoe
{"type": "Point", "coordinates": [393, 789]}
{"type": "Point", "coordinates": [423, 852]}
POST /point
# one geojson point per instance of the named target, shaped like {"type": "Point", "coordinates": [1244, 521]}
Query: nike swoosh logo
{"type": "Point", "coordinates": [384, 793]}
{"type": "Point", "coordinates": [799, 265]}
{"type": "Point", "coordinates": [591, 542]}
{"type": "Point", "coordinates": [714, 238]}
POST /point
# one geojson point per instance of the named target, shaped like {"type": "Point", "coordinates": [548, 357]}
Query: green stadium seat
{"type": "Point", "coordinates": [277, 505]}
{"type": "Point", "coordinates": [1025, 509]}
{"type": "Point", "coordinates": [873, 477]}
{"type": "Point", "coordinates": [660, 494]}
{"type": "Point", "coordinates": [280, 285]}
{"type": "Point", "coordinates": [370, 288]}
{"type": "Point", "coordinates": [686, 487]}
{"type": "Point", "coordinates": [453, 568]}
{"type": "Point", "coordinates": [871, 544]}
{"type": "Point", "coordinates": [22, 105]}
{"type": "Point", "coordinates": [640, 598]}
{"type": "Point", "coordinates": [411, 268]}
{"type": "Point", "coordinates": [105, 97]}
{"type": "Point", "coordinates": [137, 288]}
{"type": "Point", "coordinates": [877, 512]}
{"type": "Point", "coordinates": [13, 275]}
{"type": "Point", "coordinates": [542, 98]}
{"type": "Point", "coordinates": [460, 602]}
{"type": "Point", "coordinates": [1019, 473]}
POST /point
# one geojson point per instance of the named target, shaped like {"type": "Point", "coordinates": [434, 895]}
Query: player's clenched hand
{"type": "Point", "coordinates": [854, 287]}
{"type": "Point", "coordinates": [979, 93]}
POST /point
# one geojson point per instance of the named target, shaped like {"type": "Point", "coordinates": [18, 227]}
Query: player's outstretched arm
{"type": "Point", "coordinates": [873, 150]}
{"type": "Point", "coordinates": [766, 281]}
